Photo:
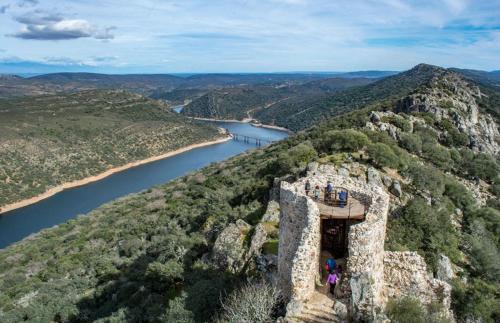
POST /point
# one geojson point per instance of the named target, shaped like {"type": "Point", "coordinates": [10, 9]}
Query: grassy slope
{"type": "Point", "coordinates": [139, 258]}
{"type": "Point", "coordinates": [49, 140]}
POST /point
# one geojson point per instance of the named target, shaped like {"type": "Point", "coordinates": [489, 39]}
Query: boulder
{"type": "Point", "coordinates": [444, 269]}
{"type": "Point", "coordinates": [229, 251]}
{"type": "Point", "coordinates": [373, 176]}
{"type": "Point", "coordinates": [387, 180]}
{"type": "Point", "coordinates": [374, 117]}
{"type": "Point", "coordinates": [395, 189]}
{"type": "Point", "coordinates": [258, 239]}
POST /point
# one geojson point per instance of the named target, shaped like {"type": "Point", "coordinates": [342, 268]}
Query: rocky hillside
{"type": "Point", "coordinates": [168, 254]}
{"type": "Point", "coordinates": [244, 102]}
{"type": "Point", "coordinates": [50, 140]}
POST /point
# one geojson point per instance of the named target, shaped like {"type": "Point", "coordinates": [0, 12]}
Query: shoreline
{"type": "Point", "coordinates": [247, 120]}
{"type": "Point", "coordinates": [57, 189]}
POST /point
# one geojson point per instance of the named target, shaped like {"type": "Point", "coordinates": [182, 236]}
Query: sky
{"type": "Point", "coordinates": [195, 36]}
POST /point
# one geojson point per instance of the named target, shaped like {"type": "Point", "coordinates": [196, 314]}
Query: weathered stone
{"type": "Point", "coordinates": [373, 176]}
{"type": "Point", "coordinates": [344, 172]}
{"type": "Point", "coordinates": [229, 251]}
{"type": "Point", "coordinates": [299, 246]}
{"type": "Point", "coordinates": [395, 189]}
{"type": "Point", "coordinates": [387, 180]}
{"type": "Point", "coordinates": [272, 212]}
{"type": "Point", "coordinates": [258, 239]}
{"type": "Point", "coordinates": [374, 117]}
{"type": "Point", "coordinates": [405, 274]}
{"type": "Point", "coordinates": [445, 269]}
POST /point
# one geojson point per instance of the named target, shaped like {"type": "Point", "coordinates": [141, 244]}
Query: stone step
{"type": "Point", "coordinates": [319, 313]}
{"type": "Point", "coordinates": [305, 318]}
{"type": "Point", "coordinates": [321, 309]}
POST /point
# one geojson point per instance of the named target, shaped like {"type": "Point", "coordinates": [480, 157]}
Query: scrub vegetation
{"type": "Point", "coordinates": [50, 140]}
{"type": "Point", "coordinates": [143, 257]}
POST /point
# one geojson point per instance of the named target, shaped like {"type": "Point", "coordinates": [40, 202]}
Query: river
{"type": "Point", "coordinates": [20, 223]}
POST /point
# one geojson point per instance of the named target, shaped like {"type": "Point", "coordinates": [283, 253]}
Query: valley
{"type": "Point", "coordinates": [427, 139]}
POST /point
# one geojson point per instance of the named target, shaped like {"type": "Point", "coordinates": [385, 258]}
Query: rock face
{"type": "Point", "coordinates": [229, 251]}
{"type": "Point", "coordinates": [405, 274]}
{"type": "Point", "coordinates": [445, 270]}
{"type": "Point", "coordinates": [450, 97]}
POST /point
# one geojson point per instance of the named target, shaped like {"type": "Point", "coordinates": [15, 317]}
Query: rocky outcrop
{"type": "Point", "coordinates": [450, 97]}
{"type": "Point", "coordinates": [229, 251]}
{"type": "Point", "coordinates": [405, 274]}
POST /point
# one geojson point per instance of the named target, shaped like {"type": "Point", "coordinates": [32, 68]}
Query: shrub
{"type": "Point", "coordinates": [411, 142]}
{"type": "Point", "coordinates": [426, 178]}
{"type": "Point", "coordinates": [484, 166]}
{"type": "Point", "coordinates": [296, 157]}
{"type": "Point", "coordinates": [344, 140]}
{"type": "Point", "coordinates": [459, 195]}
{"type": "Point", "coordinates": [485, 258]}
{"type": "Point", "coordinates": [252, 303]}
{"type": "Point", "coordinates": [270, 247]}
{"type": "Point", "coordinates": [424, 228]}
{"type": "Point", "coordinates": [400, 122]}
{"type": "Point", "coordinates": [438, 155]}
{"type": "Point", "coordinates": [383, 155]}
{"type": "Point", "coordinates": [476, 300]}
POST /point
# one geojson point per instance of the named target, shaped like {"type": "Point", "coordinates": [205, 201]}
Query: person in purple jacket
{"type": "Point", "coordinates": [332, 280]}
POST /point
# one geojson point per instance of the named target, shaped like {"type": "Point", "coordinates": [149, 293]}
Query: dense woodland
{"type": "Point", "coordinates": [140, 258]}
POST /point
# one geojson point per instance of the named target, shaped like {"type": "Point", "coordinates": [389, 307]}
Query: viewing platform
{"type": "Point", "coordinates": [331, 208]}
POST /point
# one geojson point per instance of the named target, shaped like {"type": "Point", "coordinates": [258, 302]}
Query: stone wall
{"type": "Point", "coordinates": [299, 243]}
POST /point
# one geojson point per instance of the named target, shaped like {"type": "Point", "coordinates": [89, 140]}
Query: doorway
{"type": "Point", "coordinates": [334, 237]}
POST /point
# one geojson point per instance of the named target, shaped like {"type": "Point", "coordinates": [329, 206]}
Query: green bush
{"type": "Point", "coordinates": [383, 155]}
{"type": "Point", "coordinates": [426, 178]}
{"type": "Point", "coordinates": [411, 142]}
{"type": "Point", "coordinates": [476, 300]}
{"type": "Point", "coordinates": [424, 228]}
{"type": "Point", "coordinates": [438, 155]}
{"type": "Point", "coordinates": [459, 195]}
{"type": "Point", "coordinates": [296, 157]}
{"type": "Point", "coordinates": [344, 140]}
{"type": "Point", "coordinates": [410, 310]}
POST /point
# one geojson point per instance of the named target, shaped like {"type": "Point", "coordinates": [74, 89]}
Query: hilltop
{"type": "Point", "coordinates": [427, 137]}
{"type": "Point", "coordinates": [54, 139]}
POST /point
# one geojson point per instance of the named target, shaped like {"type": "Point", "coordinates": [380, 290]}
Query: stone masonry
{"type": "Point", "coordinates": [373, 275]}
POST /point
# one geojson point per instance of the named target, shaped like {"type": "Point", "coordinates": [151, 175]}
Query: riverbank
{"type": "Point", "coordinates": [109, 172]}
{"type": "Point", "coordinates": [246, 120]}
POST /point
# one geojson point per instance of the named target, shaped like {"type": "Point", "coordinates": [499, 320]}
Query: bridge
{"type": "Point", "coordinates": [250, 139]}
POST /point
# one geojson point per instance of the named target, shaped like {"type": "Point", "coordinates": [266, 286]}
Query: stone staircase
{"type": "Point", "coordinates": [319, 309]}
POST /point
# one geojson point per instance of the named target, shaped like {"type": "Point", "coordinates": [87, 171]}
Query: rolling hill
{"type": "Point", "coordinates": [53, 139]}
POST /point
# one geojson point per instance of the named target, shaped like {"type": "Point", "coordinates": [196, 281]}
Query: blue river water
{"type": "Point", "coordinates": [20, 223]}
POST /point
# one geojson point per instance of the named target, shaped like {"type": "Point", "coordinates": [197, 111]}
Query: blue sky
{"type": "Point", "coordinates": [175, 36]}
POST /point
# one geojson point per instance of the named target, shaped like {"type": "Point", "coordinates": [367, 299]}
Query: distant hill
{"type": "Point", "coordinates": [243, 102]}
{"type": "Point", "coordinates": [158, 85]}
{"type": "Point", "coordinates": [53, 139]}
{"type": "Point", "coordinates": [488, 78]}
{"type": "Point", "coordinates": [368, 74]}
{"type": "Point", "coordinates": [302, 114]}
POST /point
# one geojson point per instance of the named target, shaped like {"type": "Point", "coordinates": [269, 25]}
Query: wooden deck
{"type": "Point", "coordinates": [353, 210]}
